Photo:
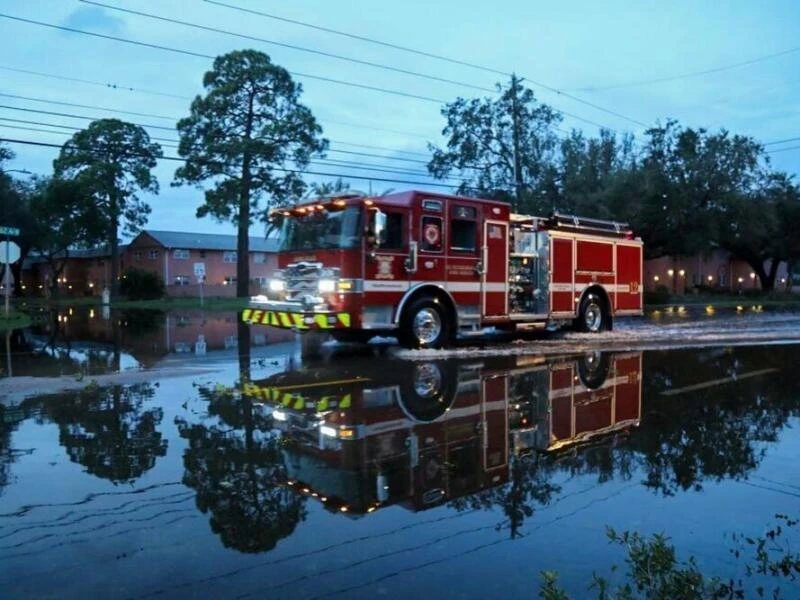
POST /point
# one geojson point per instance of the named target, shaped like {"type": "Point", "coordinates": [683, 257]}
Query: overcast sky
{"type": "Point", "coordinates": [607, 53]}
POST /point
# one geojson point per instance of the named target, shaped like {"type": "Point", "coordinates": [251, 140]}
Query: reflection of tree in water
{"type": "Point", "coordinates": [528, 486]}
{"type": "Point", "coordinates": [108, 431]}
{"type": "Point", "coordinates": [717, 432]}
{"type": "Point", "coordinates": [235, 463]}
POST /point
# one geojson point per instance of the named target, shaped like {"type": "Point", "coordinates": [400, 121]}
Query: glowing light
{"type": "Point", "coordinates": [279, 415]}
{"type": "Point", "coordinates": [370, 509]}
{"type": "Point", "coordinates": [671, 272]}
{"type": "Point", "coordinates": [328, 431]}
{"type": "Point", "coordinates": [368, 202]}
{"type": "Point", "coordinates": [752, 275]}
{"type": "Point", "coordinates": [91, 313]}
{"type": "Point", "coordinates": [711, 278]}
{"type": "Point", "coordinates": [343, 509]}
{"type": "Point", "coordinates": [339, 203]}
{"type": "Point", "coordinates": [91, 285]}
{"type": "Point", "coordinates": [682, 273]}
{"type": "Point", "coordinates": [277, 285]}
{"type": "Point", "coordinates": [655, 278]}
{"type": "Point", "coordinates": [741, 279]}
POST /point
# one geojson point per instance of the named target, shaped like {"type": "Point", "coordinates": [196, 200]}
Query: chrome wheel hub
{"type": "Point", "coordinates": [593, 317]}
{"type": "Point", "coordinates": [427, 326]}
{"type": "Point", "coordinates": [427, 380]}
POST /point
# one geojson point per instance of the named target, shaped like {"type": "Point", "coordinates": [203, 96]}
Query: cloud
{"type": "Point", "coordinates": [94, 19]}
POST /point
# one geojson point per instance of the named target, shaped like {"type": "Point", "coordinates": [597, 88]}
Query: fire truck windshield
{"type": "Point", "coordinates": [321, 230]}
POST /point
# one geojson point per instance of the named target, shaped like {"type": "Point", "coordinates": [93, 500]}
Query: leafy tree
{"type": "Point", "coordinates": [249, 135]}
{"type": "Point", "coordinates": [138, 284]}
{"type": "Point", "coordinates": [14, 207]}
{"type": "Point", "coordinates": [108, 431]}
{"type": "Point", "coordinates": [113, 160]}
{"type": "Point", "coordinates": [65, 218]}
{"type": "Point", "coordinates": [482, 134]}
{"type": "Point", "coordinates": [328, 188]}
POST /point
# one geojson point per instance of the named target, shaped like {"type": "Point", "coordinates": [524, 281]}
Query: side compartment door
{"type": "Point", "coordinates": [494, 282]}
{"type": "Point", "coordinates": [629, 278]}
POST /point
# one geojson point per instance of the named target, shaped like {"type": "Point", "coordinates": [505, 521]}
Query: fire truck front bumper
{"type": "Point", "coordinates": [288, 315]}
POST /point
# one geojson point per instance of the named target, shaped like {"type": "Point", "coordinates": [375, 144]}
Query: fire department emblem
{"type": "Point", "coordinates": [431, 234]}
{"type": "Point", "coordinates": [634, 287]}
{"type": "Point", "coordinates": [384, 267]}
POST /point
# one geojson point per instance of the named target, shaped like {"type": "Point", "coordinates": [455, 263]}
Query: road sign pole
{"type": "Point", "coordinates": [7, 269]}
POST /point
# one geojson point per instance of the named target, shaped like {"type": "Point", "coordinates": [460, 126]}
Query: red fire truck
{"type": "Point", "coordinates": [368, 434]}
{"type": "Point", "coordinates": [425, 267]}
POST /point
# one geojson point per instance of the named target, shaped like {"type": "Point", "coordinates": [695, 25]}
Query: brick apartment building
{"type": "Point", "coordinates": [172, 255]}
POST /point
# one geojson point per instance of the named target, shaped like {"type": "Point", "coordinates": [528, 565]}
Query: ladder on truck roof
{"type": "Point", "coordinates": [573, 223]}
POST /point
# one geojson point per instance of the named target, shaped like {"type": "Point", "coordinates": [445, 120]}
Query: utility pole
{"type": "Point", "coordinates": [515, 81]}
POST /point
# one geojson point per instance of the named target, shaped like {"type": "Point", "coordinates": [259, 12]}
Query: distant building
{"type": "Point", "coordinates": [172, 255]}
{"type": "Point", "coordinates": [716, 269]}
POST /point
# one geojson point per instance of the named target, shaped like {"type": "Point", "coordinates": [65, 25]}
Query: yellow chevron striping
{"type": "Point", "coordinates": [344, 319]}
{"type": "Point", "coordinates": [346, 401]}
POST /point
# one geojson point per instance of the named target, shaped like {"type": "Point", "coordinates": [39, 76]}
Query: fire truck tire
{"type": "Point", "coordinates": [593, 369]}
{"type": "Point", "coordinates": [428, 390]}
{"type": "Point", "coordinates": [425, 324]}
{"type": "Point", "coordinates": [593, 315]}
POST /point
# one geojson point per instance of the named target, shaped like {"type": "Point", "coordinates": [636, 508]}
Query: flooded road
{"type": "Point", "coordinates": [366, 474]}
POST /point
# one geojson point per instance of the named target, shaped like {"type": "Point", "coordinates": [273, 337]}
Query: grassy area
{"type": "Point", "coordinates": [14, 320]}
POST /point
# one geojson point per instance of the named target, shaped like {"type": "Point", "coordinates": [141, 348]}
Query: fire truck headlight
{"type": "Point", "coordinates": [277, 285]}
{"type": "Point", "coordinates": [328, 431]}
{"type": "Point", "coordinates": [326, 286]}
{"type": "Point", "coordinates": [279, 415]}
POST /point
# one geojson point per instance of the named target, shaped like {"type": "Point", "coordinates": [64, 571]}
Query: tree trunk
{"type": "Point", "coordinates": [790, 266]}
{"type": "Point", "coordinates": [16, 273]}
{"type": "Point", "coordinates": [773, 272]}
{"type": "Point", "coordinates": [243, 234]}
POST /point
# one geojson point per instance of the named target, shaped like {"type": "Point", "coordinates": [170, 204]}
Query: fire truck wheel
{"type": "Point", "coordinates": [424, 324]}
{"type": "Point", "coordinates": [593, 368]}
{"type": "Point", "coordinates": [592, 316]}
{"type": "Point", "coordinates": [428, 391]}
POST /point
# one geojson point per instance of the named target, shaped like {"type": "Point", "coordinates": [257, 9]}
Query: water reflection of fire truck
{"type": "Point", "coordinates": [417, 433]}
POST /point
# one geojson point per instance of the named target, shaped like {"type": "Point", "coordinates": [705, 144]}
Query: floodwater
{"type": "Point", "coordinates": [367, 474]}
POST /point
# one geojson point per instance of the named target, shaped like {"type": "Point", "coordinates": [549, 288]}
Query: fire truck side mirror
{"type": "Point", "coordinates": [411, 261]}
{"type": "Point", "coordinates": [380, 226]}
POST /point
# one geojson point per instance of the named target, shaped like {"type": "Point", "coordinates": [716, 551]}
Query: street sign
{"type": "Point", "coordinates": [9, 252]}
{"type": "Point", "coordinates": [9, 231]}
{"type": "Point", "coordinates": [199, 269]}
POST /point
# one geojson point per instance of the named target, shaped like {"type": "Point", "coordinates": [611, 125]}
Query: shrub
{"type": "Point", "coordinates": [141, 285]}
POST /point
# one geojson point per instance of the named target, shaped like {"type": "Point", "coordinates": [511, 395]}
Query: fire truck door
{"type": "Point", "coordinates": [494, 281]}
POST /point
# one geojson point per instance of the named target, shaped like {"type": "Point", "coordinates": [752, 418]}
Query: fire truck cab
{"type": "Point", "coordinates": [426, 267]}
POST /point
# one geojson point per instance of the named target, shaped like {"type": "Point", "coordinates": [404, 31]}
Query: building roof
{"type": "Point", "coordinates": [208, 241]}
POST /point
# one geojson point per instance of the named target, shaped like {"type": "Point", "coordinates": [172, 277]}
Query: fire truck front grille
{"type": "Point", "coordinates": [302, 280]}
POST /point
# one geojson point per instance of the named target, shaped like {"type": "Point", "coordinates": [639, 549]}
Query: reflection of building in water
{"type": "Point", "coordinates": [417, 433]}
{"type": "Point", "coordinates": [146, 336]}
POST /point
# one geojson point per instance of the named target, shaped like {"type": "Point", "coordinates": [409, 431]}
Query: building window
{"type": "Point", "coordinates": [202, 253]}
{"type": "Point", "coordinates": [229, 256]}
{"type": "Point", "coordinates": [137, 255]}
{"type": "Point", "coordinates": [182, 280]}
{"type": "Point", "coordinates": [153, 254]}
{"type": "Point", "coordinates": [229, 280]}
{"type": "Point", "coordinates": [180, 253]}
{"type": "Point", "coordinates": [259, 258]}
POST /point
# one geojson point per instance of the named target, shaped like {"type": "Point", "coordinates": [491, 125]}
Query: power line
{"type": "Point", "coordinates": [172, 144]}
{"type": "Point", "coordinates": [112, 86]}
{"type": "Point", "coordinates": [176, 119]}
{"type": "Point", "coordinates": [126, 88]}
{"type": "Point", "coordinates": [791, 139]}
{"type": "Point", "coordinates": [783, 149]}
{"type": "Point", "coordinates": [281, 169]}
{"type": "Point", "coordinates": [89, 106]}
{"type": "Point", "coordinates": [690, 74]}
{"type": "Point", "coordinates": [208, 56]}
{"type": "Point", "coordinates": [160, 127]}
{"type": "Point", "coordinates": [291, 46]}
{"type": "Point", "coordinates": [430, 55]}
